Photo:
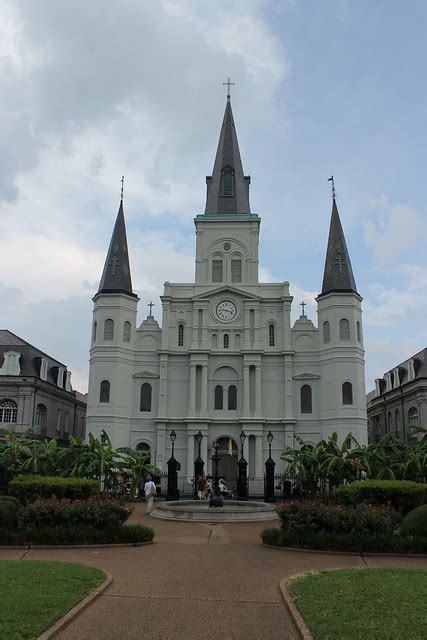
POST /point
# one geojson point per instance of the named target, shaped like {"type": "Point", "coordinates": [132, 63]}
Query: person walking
{"type": "Point", "coordinates": [202, 485]}
{"type": "Point", "coordinates": [150, 492]}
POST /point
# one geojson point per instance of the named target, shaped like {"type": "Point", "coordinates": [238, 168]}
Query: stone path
{"type": "Point", "coordinates": [197, 581]}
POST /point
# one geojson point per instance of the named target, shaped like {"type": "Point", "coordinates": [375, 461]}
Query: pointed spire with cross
{"type": "Point", "coordinates": [228, 84]}
{"type": "Point", "coordinates": [121, 191]}
{"type": "Point", "coordinates": [331, 179]}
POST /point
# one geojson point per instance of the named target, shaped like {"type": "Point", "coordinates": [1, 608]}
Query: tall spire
{"type": "Point", "coordinates": [338, 275]}
{"type": "Point", "coordinates": [116, 275]}
{"type": "Point", "coordinates": [228, 188]}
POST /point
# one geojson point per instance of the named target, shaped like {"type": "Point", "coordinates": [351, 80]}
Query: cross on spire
{"type": "Point", "coordinates": [121, 191]}
{"type": "Point", "coordinates": [340, 261]}
{"type": "Point", "coordinates": [151, 305]}
{"type": "Point", "coordinates": [303, 305]}
{"type": "Point", "coordinates": [228, 84]}
{"type": "Point", "coordinates": [331, 179]}
{"type": "Point", "coordinates": [114, 262]}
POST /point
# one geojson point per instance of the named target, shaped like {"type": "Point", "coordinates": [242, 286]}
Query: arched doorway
{"type": "Point", "coordinates": [227, 464]}
{"type": "Point", "coordinates": [143, 447]}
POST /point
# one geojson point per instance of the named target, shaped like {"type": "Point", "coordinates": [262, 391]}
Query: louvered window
{"type": "Point", "coordinates": [216, 270]}
{"type": "Point", "coordinates": [218, 397]}
{"type": "Point", "coordinates": [126, 331]}
{"type": "Point", "coordinates": [271, 335]}
{"type": "Point", "coordinates": [227, 182]}
{"type": "Point", "coordinates": [109, 329]}
{"type": "Point", "coordinates": [236, 270]}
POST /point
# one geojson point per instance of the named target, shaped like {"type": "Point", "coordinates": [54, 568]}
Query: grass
{"type": "Point", "coordinates": [34, 594]}
{"type": "Point", "coordinates": [356, 604]}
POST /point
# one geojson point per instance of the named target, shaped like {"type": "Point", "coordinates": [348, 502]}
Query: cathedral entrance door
{"type": "Point", "coordinates": [227, 464]}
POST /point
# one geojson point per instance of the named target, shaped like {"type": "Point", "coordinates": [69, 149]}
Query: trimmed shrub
{"type": "Point", "coordinates": [329, 518]}
{"type": "Point", "coordinates": [77, 535]}
{"type": "Point", "coordinates": [415, 522]}
{"type": "Point", "coordinates": [403, 495]}
{"type": "Point", "coordinates": [272, 536]}
{"type": "Point", "coordinates": [99, 514]}
{"type": "Point", "coordinates": [11, 500]}
{"type": "Point", "coordinates": [29, 488]}
{"type": "Point", "coordinates": [8, 515]}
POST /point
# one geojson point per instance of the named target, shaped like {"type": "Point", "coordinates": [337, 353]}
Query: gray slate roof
{"type": "Point", "coordinates": [116, 275]}
{"type": "Point", "coordinates": [227, 155]}
{"type": "Point", "coordinates": [338, 275]}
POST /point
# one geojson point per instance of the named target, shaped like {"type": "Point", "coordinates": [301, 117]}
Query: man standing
{"type": "Point", "coordinates": [150, 492]}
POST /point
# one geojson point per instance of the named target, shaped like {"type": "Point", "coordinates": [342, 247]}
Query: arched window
{"type": "Point", "coordinates": [347, 393]}
{"type": "Point", "coordinates": [227, 182]}
{"type": "Point", "coordinates": [326, 332]}
{"type": "Point", "coordinates": [104, 391]}
{"type": "Point", "coordinates": [143, 447]}
{"type": "Point", "coordinates": [236, 270]}
{"type": "Point", "coordinates": [218, 397]}
{"type": "Point", "coordinates": [358, 332]}
{"type": "Point", "coordinates": [344, 329]}
{"type": "Point", "coordinates": [237, 341]}
{"type": "Point", "coordinates": [413, 417]}
{"type": "Point", "coordinates": [232, 397]}
{"type": "Point", "coordinates": [389, 422]}
{"type": "Point", "coordinates": [271, 334]}
{"type": "Point", "coordinates": [126, 331]}
{"type": "Point", "coordinates": [226, 341]}
{"type": "Point", "coordinates": [109, 329]}
{"type": "Point", "coordinates": [214, 341]}
{"type": "Point", "coordinates": [94, 328]}
{"type": "Point", "coordinates": [180, 335]}
{"type": "Point", "coordinates": [40, 418]}
{"type": "Point", "coordinates": [217, 269]}
{"type": "Point", "coordinates": [306, 399]}
{"type": "Point", "coordinates": [8, 412]}
{"type": "Point", "coordinates": [145, 404]}
{"type": "Point", "coordinates": [397, 421]}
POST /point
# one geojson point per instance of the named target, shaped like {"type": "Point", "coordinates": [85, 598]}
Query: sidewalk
{"type": "Point", "coordinates": [197, 581]}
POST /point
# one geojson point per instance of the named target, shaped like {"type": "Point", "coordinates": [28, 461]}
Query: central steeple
{"type": "Point", "coordinates": [228, 187]}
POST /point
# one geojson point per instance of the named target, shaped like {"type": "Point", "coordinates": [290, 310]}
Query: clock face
{"type": "Point", "coordinates": [226, 310]}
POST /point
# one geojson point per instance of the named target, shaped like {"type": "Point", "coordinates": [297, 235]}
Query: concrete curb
{"type": "Point", "coordinates": [295, 614]}
{"type": "Point", "coordinates": [75, 611]}
{"type": "Point", "coordinates": [76, 546]}
{"type": "Point", "coordinates": [346, 553]}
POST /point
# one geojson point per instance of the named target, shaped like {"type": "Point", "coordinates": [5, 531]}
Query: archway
{"type": "Point", "coordinates": [228, 458]}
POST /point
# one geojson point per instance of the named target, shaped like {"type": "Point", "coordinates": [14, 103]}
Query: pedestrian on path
{"type": "Point", "coordinates": [150, 492]}
{"type": "Point", "coordinates": [202, 486]}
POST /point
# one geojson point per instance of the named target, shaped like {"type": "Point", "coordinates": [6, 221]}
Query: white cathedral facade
{"type": "Point", "coordinates": [226, 358]}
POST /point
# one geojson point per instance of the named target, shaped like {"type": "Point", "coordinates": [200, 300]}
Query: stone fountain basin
{"type": "Point", "coordinates": [199, 511]}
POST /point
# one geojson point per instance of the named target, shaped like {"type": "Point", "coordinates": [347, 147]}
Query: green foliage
{"type": "Point", "coordinates": [272, 536]}
{"type": "Point", "coordinates": [400, 494]}
{"type": "Point", "coordinates": [10, 499]}
{"type": "Point", "coordinates": [77, 535]}
{"type": "Point", "coordinates": [8, 515]}
{"type": "Point", "coordinates": [100, 514]}
{"type": "Point", "coordinates": [415, 522]}
{"type": "Point", "coordinates": [29, 488]}
{"type": "Point", "coordinates": [328, 518]}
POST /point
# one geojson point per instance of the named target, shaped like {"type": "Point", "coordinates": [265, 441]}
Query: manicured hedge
{"type": "Point", "coordinates": [8, 513]}
{"type": "Point", "coordinates": [76, 535]}
{"type": "Point", "coordinates": [400, 494]}
{"type": "Point", "coordinates": [11, 500]}
{"type": "Point", "coordinates": [29, 488]}
{"type": "Point", "coordinates": [415, 522]}
{"type": "Point", "coordinates": [343, 542]}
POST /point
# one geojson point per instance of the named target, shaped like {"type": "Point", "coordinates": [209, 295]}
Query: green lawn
{"type": "Point", "coordinates": [34, 594]}
{"type": "Point", "coordinates": [363, 604]}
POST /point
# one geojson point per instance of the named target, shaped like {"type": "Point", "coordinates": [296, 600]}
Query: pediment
{"type": "Point", "coordinates": [226, 289]}
{"type": "Point", "coordinates": [145, 374]}
{"type": "Point", "coordinates": [306, 376]}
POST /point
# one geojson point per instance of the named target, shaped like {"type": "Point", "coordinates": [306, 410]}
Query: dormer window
{"type": "Point", "coordinates": [388, 382]}
{"type": "Point", "coordinates": [11, 364]}
{"type": "Point", "coordinates": [228, 182]}
{"type": "Point", "coordinates": [396, 378]}
{"type": "Point", "coordinates": [43, 369]}
{"type": "Point", "coordinates": [411, 370]}
{"type": "Point", "coordinates": [60, 378]}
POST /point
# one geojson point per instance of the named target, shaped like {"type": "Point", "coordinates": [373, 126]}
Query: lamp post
{"type": "Point", "coordinates": [216, 500]}
{"type": "Point", "coordinates": [173, 492]}
{"type": "Point", "coordinates": [242, 486]}
{"type": "Point", "coordinates": [198, 463]}
{"type": "Point", "coordinates": [269, 473]}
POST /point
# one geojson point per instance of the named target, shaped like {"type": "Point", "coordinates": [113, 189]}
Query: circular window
{"type": "Point", "coordinates": [227, 246]}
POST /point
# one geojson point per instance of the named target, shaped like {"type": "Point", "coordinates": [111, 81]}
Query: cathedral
{"type": "Point", "coordinates": [226, 359]}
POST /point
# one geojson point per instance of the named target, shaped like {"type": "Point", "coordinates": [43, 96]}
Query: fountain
{"type": "Point", "coordinates": [200, 511]}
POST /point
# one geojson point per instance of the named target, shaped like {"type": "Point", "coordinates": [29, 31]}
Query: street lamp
{"type": "Point", "coordinates": [199, 438]}
{"type": "Point", "coordinates": [173, 492]}
{"type": "Point", "coordinates": [242, 487]}
{"type": "Point", "coordinates": [198, 463]}
{"type": "Point", "coordinates": [269, 473]}
{"type": "Point", "coordinates": [216, 500]}
{"type": "Point", "coordinates": [173, 438]}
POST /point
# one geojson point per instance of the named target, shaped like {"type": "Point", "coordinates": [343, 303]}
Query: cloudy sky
{"type": "Point", "coordinates": [93, 90]}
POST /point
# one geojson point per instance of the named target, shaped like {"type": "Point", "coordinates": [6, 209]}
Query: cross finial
{"type": "Point", "coordinates": [331, 179]}
{"type": "Point", "coordinates": [228, 84]}
{"type": "Point", "coordinates": [303, 305]}
{"type": "Point", "coordinates": [151, 305]}
{"type": "Point", "coordinates": [121, 192]}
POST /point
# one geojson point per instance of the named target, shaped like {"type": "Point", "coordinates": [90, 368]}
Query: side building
{"type": "Point", "coordinates": [398, 404]}
{"type": "Point", "coordinates": [36, 392]}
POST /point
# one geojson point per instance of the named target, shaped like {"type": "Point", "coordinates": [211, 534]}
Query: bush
{"type": "Point", "coordinates": [342, 542]}
{"type": "Point", "coordinates": [8, 515]}
{"type": "Point", "coordinates": [99, 514]}
{"type": "Point", "coordinates": [415, 522]}
{"type": "Point", "coordinates": [328, 518]}
{"type": "Point", "coordinates": [29, 488]}
{"type": "Point", "coordinates": [77, 535]}
{"type": "Point", "coordinates": [11, 500]}
{"type": "Point", "coordinates": [403, 495]}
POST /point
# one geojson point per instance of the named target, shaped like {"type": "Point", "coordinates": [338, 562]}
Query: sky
{"type": "Point", "coordinates": [91, 91]}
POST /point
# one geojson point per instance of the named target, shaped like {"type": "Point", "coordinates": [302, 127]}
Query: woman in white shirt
{"type": "Point", "coordinates": [150, 491]}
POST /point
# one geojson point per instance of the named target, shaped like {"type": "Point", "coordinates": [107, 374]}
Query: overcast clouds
{"type": "Point", "coordinates": [93, 90]}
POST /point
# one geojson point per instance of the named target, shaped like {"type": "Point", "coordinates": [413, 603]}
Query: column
{"type": "Point", "coordinates": [246, 390]}
{"type": "Point", "coordinates": [204, 399]}
{"type": "Point", "coordinates": [190, 454]}
{"type": "Point", "coordinates": [160, 447]}
{"type": "Point", "coordinates": [165, 325]}
{"type": "Point", "coordinates": [258, 391]}
{"type": "Point", "coordinates": [289, 412]}
{"type": "Point", "coordinates": [163, 384]}
{"type": "Point", "coordinates": [259, 467]}
{"type": "Point", "coordinates": [192, 403]}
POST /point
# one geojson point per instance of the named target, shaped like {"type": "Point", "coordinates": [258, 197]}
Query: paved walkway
{"type": "Point", "coordinates": [198, 581]}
